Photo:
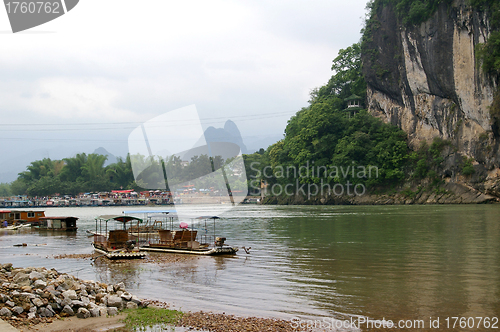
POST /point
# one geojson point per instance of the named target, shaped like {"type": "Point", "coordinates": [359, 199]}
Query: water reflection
{"type": "Point", "coordinates": [113, 272]}
{"type": "Point", "coordinates": [407, 262]}
{"type": "Point", "coordinates": [395, 262]}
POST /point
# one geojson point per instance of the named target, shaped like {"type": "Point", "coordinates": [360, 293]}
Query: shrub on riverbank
{"type": "Point", "coordinates": [30, 294]}
{"type": "Point", "coordinates": [151, 316]}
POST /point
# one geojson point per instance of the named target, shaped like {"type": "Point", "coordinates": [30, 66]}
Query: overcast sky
{"type": "Point", "coordinates": [88, 78]}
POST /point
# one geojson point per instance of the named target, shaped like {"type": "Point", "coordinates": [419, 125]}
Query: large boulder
{"type": "Point", "coordinates": [22, 279]}
{"type": "Point", "coordinates": [4, 312]}
{"type": "Point", "coordinates": [17, 310]}
{"type": "Point", "coordinates": [26, 289]}
{"type": "Point", "coordinates": [136, 300]}
{"type": "Point", "coordinates": [39, 283]}
{"type": "Point", "coordinates": [70, 294]}
{"type": "Point", "coordinates": [131, 305]}
{"type": "Point", "coordinates": [4, 298]}
{"type": "Point", "coordinates": [119, 287]}
{"type": "Point", "coordinates": [115, 301]}
{"type": "Point", "coordinates": [103, 311]}
{"type": "Point", "coordinates": [77, 304]}
{"type": "Point", "coordinates": [95, 312]}
{"type": "Point", "coordinates": [46, 311]}
{"type": "Point", "coordinates": [66, 302]}
{"type": "Point", "coordinates": [68, 310]}
{"type": "Point", "coordinates": [126, 296]}
{"type": "Point", "coordinates": [6, 267]}
{"type": "Point", "coordinates": [37, 302]}
{"type": "Point", "coordinates": [112, 311]}
{"type": "Point", "coordinates": [35, 275]}
{"type": "Point", "coordinates": [83, 313]}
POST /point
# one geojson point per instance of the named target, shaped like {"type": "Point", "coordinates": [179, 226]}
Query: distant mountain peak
{"type": "Point", "coordinates": [111, 158]}
{"type": "Point", "coordinates": [230, 133]}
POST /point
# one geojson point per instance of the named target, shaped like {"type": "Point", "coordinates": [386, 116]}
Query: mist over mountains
{"type": "Point", "coordinates": [18, 161]}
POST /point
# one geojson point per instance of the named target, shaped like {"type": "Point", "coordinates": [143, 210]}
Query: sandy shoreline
{"type": "Point", "coordinates": [38, 299]}
{"type": "Point", "coordinates": [197, 321]}
{"type": "Point", "coordinates": [74, 324]}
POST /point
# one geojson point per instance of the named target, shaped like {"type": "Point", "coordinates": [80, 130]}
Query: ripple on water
{"type": "Point", "coordinates": [330, 261]}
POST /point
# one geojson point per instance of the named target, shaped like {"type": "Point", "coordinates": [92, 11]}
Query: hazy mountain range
{"type": "Point", "coordinates": [16, 163]}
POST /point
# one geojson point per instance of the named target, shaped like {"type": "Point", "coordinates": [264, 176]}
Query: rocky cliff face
{"type": "Point", "coordinates": [425, 80]}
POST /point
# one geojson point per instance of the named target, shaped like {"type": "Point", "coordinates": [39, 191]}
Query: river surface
{"type": "Point", "coordinates": [392, 262]}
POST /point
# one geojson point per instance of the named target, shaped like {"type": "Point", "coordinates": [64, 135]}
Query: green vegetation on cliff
{"type": "Point", "coordinates": [488, 55]}
{"type": "Point", "coordinates": [415, 12]}
{"type": "Point", "coordinates": [327, 144]}
{"type": "Point", "coordinates": [325, 138]}
{"type": "Point", "coordinates": [411, 13]}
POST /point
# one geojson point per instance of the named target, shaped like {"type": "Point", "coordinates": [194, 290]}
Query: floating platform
{"type": "Point", "coordinates": [15, 228]}
{"type": "Point", "coordinates": [202, 251]}
{"type": "Point", "coordinates": [121, 254]}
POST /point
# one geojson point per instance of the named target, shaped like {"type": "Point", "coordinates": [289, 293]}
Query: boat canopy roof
{"type": "Point", "coordinates": [149, 211]}
{"type": "Point", "coordinates": [123, 219]}
{"type": "Point", "coordinates": [170, 215]}
{"type": "Point", "coordinates": [58, 218]}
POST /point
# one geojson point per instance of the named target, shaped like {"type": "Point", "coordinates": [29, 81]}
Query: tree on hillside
{"type": "Point", "coordinates": [72, 170]}
{"type": "Point", "coordinates": [38, 169]}
{"type": "Point", "coordinates": [94, 173]}
{"type": "Point", "coordinates": [120, 173]}
{"type": "Point", "coordinates": [324, 137]}
{"type": "Point", "coordinates": [346, 81]}
{"type": "Point", "coordinates": [5, 190]}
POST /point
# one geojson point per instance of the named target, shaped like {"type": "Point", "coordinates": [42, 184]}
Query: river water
{"type": "Point", "coordinates": [392, 262]}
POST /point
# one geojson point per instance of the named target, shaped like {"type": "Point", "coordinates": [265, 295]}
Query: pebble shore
{"type": "Point", "coordinates": [213, 322]}
{"type": "Point", "coordinates": [153, 258]}
{"type": "Point", "coordinates": [29, 296]}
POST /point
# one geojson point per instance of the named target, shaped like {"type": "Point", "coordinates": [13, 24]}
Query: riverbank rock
{"type": "Point", "coordinates": [422, 192]}
{"type": "Point", "coordinates": [115, 301]}
{"type": "Point", "coordinates": [4, 312]}
{"type": "Point", "coordinates": [32, 293]}
{"type": "Point", "coordinates": [83, 313]}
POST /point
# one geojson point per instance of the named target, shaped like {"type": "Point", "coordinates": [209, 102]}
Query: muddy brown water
{"type": "Point", "coordinates": [315, 262]}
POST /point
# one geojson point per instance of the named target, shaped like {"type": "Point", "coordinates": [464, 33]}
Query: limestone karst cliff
{"type": "Point", "coordinates": [425, 79]}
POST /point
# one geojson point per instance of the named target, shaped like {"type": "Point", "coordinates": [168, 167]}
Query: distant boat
{"type": "Point", "coordinates": [92, 233]}
{"type": "Point", "coordinates": [117, 243]}
{"type": "Point", "coordinates": [162, 238]}
{"type": "Point", "coordinates": [16, 217]}
{"type": "Point", "coordinates": [67, 224]}
{"type": "Point", "coordinates": [16, 227]}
